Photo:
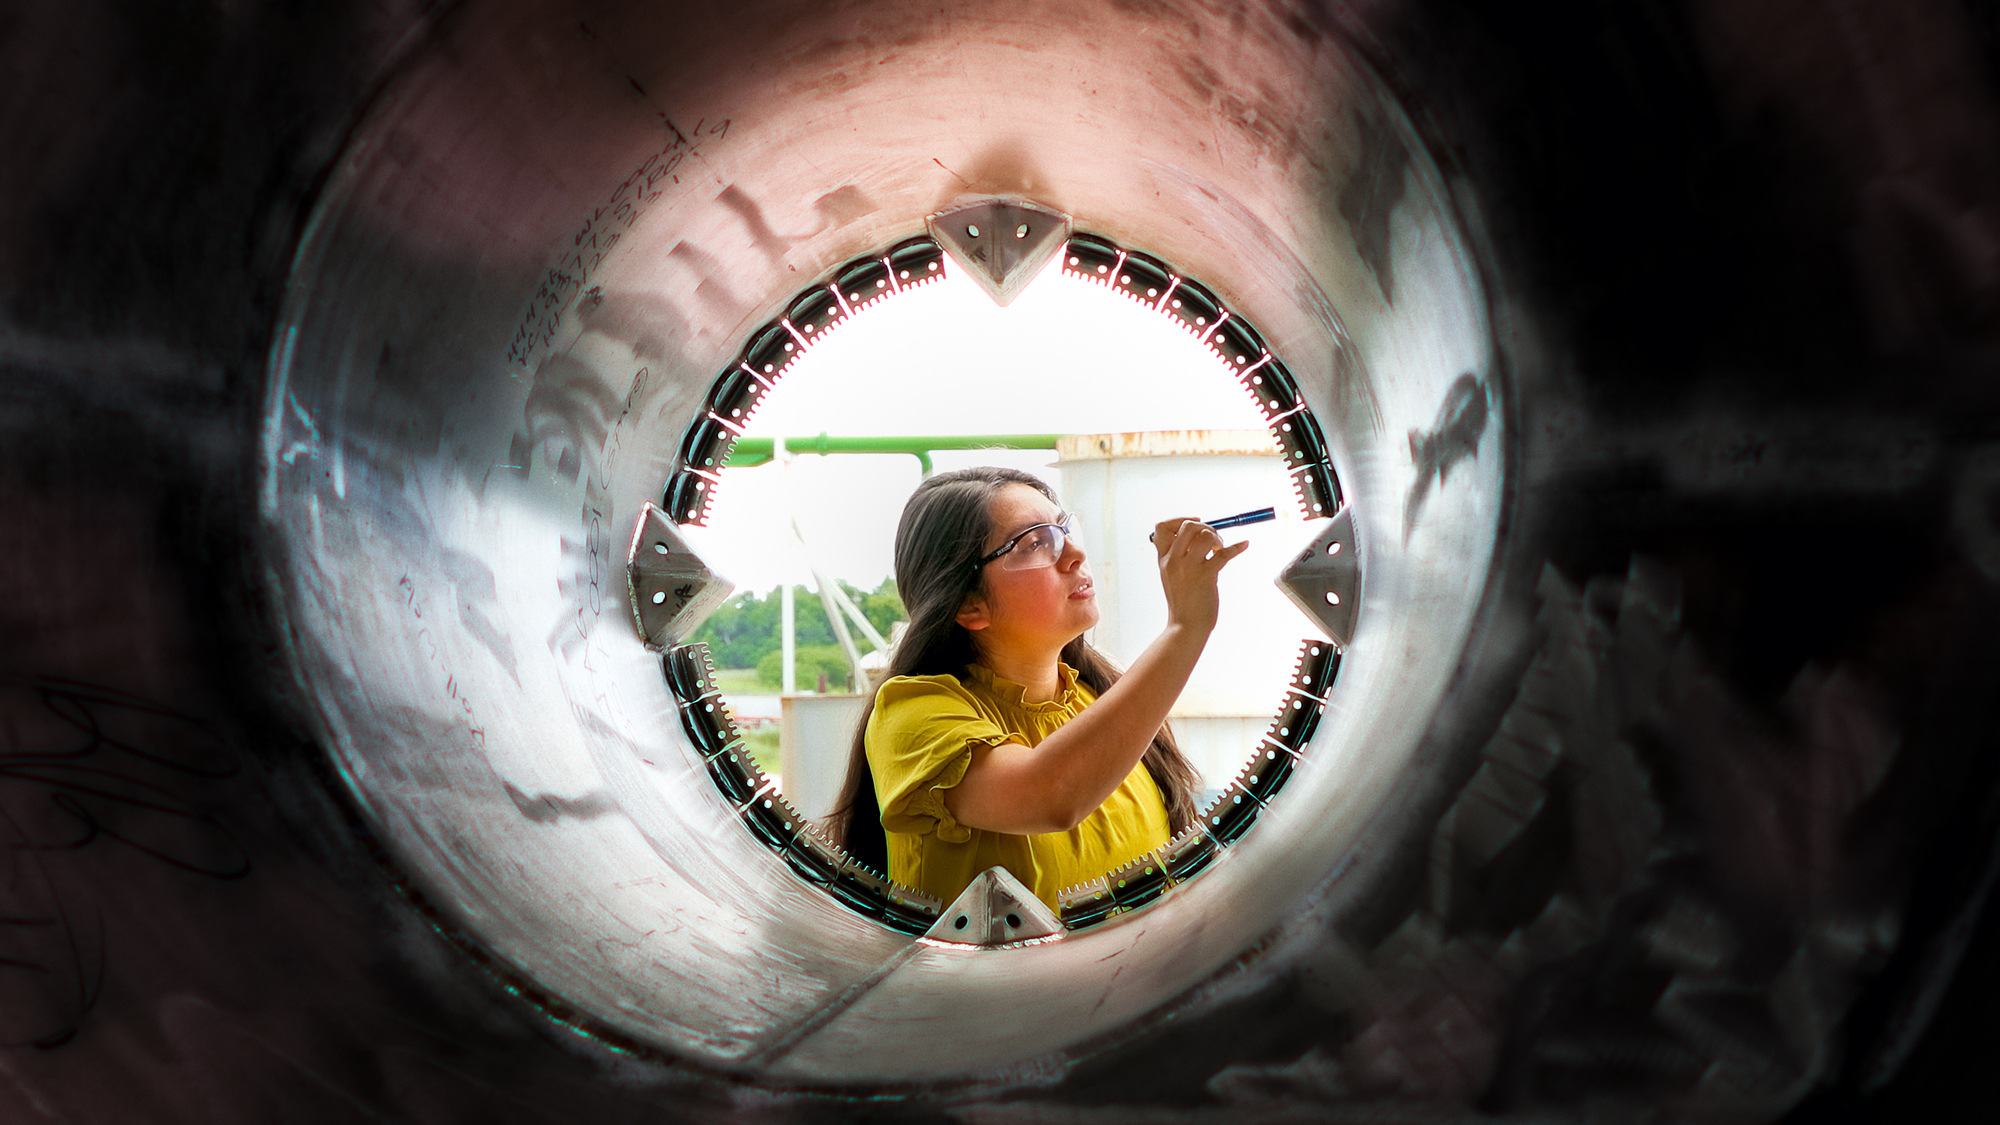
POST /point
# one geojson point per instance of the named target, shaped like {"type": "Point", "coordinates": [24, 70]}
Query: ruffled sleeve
{"type": "Point", "coordinates": [920, 742]}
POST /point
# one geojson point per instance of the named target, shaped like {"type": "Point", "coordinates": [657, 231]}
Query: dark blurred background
{"type": "Point", "coordinates": [1753, 252]}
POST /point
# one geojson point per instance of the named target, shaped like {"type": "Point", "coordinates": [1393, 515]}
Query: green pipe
{"type": "Point", "coordinates": [752, 451]}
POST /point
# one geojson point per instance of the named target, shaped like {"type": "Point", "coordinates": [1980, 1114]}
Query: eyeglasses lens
{"type": "Point", "coordinates": [1041, 547]}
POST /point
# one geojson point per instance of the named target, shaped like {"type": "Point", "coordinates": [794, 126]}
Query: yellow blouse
{"type": "Point", "coordinates": [920, 741]}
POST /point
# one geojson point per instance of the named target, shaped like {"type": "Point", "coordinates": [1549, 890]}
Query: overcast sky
{"type": "Point", "coordinates": [1068, 356]}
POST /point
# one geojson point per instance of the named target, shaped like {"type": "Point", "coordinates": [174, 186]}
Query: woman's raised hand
{"type": "Point", "coordinates": [1191, 556]}
{"type": "Point", "coordinates": [1053, 785]}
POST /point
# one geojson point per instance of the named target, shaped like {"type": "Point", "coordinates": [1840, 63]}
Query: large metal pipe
{"type": "Point", "coordinates": [1658, 782]}
{"type": "Point", "coordinates": [544, 244]}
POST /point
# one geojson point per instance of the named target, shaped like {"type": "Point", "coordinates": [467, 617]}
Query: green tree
{"type": "Point", "coordinates": [882, 606]}
{"type": "Point", "coordinates": [747, 628]}
{"type": "Point", "coordinates": [811, 661]}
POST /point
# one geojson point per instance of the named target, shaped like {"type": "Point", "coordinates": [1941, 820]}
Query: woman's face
{"type": "Point", "coordinates": [1036, 608]}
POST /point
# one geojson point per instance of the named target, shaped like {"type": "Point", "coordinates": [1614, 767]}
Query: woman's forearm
{"type": "Point", "coordinates": [1053, 785]}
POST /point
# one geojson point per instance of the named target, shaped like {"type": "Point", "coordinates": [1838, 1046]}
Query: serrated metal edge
{"type": "Point", "coordinates": [706, 672]}
{"type": "Point", "coordinates": [1089, 888]}
{"type": "Point", "coordinates": [1205, 334]}
{"type": "Point", "coordinates": [1272, 732]}
{"type": "Point", "coordinates": [1193, 830]}
{"type": "Point", "coordinates": [1135, 868]}
{"type": "Point", "coordinates": [801, 826]}
{"type": "Point", "coordinates": [916, 899]}
{"type": "Point", "coordinates": [1301, 490]}
{"type": "Point", "coordinates": [732, 736]}
{"type": "Point", "coordinates": [1228, 794]}
{"type": "Point", "coordinates": [1234, 787]}
{"type": "Point", "coordinates": [764, 787]}
{"type": "Point", "coordinates": [889, 888]}
{"type": "Point", "coordinates": [1104, 884]}
{"type": "Point", "coordinates": [844, 310]}
{"type": "Point", "coordinates": [1251, 771]}
{"type": "Point", "coordinates": [1299, 667]}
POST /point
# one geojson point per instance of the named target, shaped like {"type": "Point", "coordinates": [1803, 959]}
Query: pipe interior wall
{"type": "Point", "coordinates": [1659, 781]}
{"type": "Point", "coordinates": [513, 297]}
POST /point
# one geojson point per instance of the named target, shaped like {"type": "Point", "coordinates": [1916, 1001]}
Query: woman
{"type": "Point", "coordinates": [1000, 736]}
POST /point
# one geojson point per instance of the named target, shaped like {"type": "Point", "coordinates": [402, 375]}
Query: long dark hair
{"type": "Point", "coordinates": [938, 543]}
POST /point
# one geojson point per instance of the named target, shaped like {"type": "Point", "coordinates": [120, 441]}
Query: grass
{"type": "Point", "coordinates": [741, 680]}
{"type": "Point", "coordinates": [762, 743]}
{"type": "Point", "coordinates": [763, 746]}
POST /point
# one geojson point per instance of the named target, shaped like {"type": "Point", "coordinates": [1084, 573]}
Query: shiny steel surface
{"type": "Point", "coordinates": [531, 264]}
{"type": "Point", "coordinates": [1324, 581]}
{"type": "Point", "coordinates": [994, 909]}
{"type": "Point", "coordinates": [1001, 243]}
{"type": "Point", "coordinates": [338, 784]}
{"type": "Point", "coordinates": [671, 588]}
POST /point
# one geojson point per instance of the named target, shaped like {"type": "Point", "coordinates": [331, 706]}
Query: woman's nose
{"type": "Point", "coordinates": [1072, 556]}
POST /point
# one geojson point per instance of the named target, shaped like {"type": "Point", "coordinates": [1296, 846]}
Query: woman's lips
{"type": "Point", "coordinates": [1087, 590]}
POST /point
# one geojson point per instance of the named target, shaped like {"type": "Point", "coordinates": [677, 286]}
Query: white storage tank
{"type": "Point", "coordinates": [1119, 486]}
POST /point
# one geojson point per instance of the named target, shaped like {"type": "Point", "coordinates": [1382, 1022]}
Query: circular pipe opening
{"type": "Point", "coordinates": [731, 405]}
{"type": "Point", "coordinates": [511, 304]}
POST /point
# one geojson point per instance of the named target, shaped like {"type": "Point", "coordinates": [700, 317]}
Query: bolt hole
{"type": "Point", "coordinates": [1332, 598]}
{"type": "Point", "coordinates": [1333, 548]}
{"type": "Point", "coordinates": [959, 922]}
{"type": "Point", "coordinates": [660, 548]}
{"type": "Point", "coordinates": [972, 232]}
{"type": "Point", "coordinates": [1021, 231]}
{"type": "Point", "coordinates": [1014, 920]}
{"type": "Point", "coordinates": [659, 597]}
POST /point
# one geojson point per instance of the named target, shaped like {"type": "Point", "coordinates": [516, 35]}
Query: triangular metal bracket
{"type": "Point", "coordinates": [994, 910]}
{"type": "Point", "coordinates": [672, 590]}
{"type": "Point", "coordinates": [1324, 581]}
{"type": "Point", "coordinates": [1002, 243]}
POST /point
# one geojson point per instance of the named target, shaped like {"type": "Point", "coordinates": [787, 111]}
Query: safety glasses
{"type": "Point", "coordinates": [1040, 545]}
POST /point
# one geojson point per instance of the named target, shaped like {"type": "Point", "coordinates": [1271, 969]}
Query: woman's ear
{"type": "Point", "coordinates": [972, 613]}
